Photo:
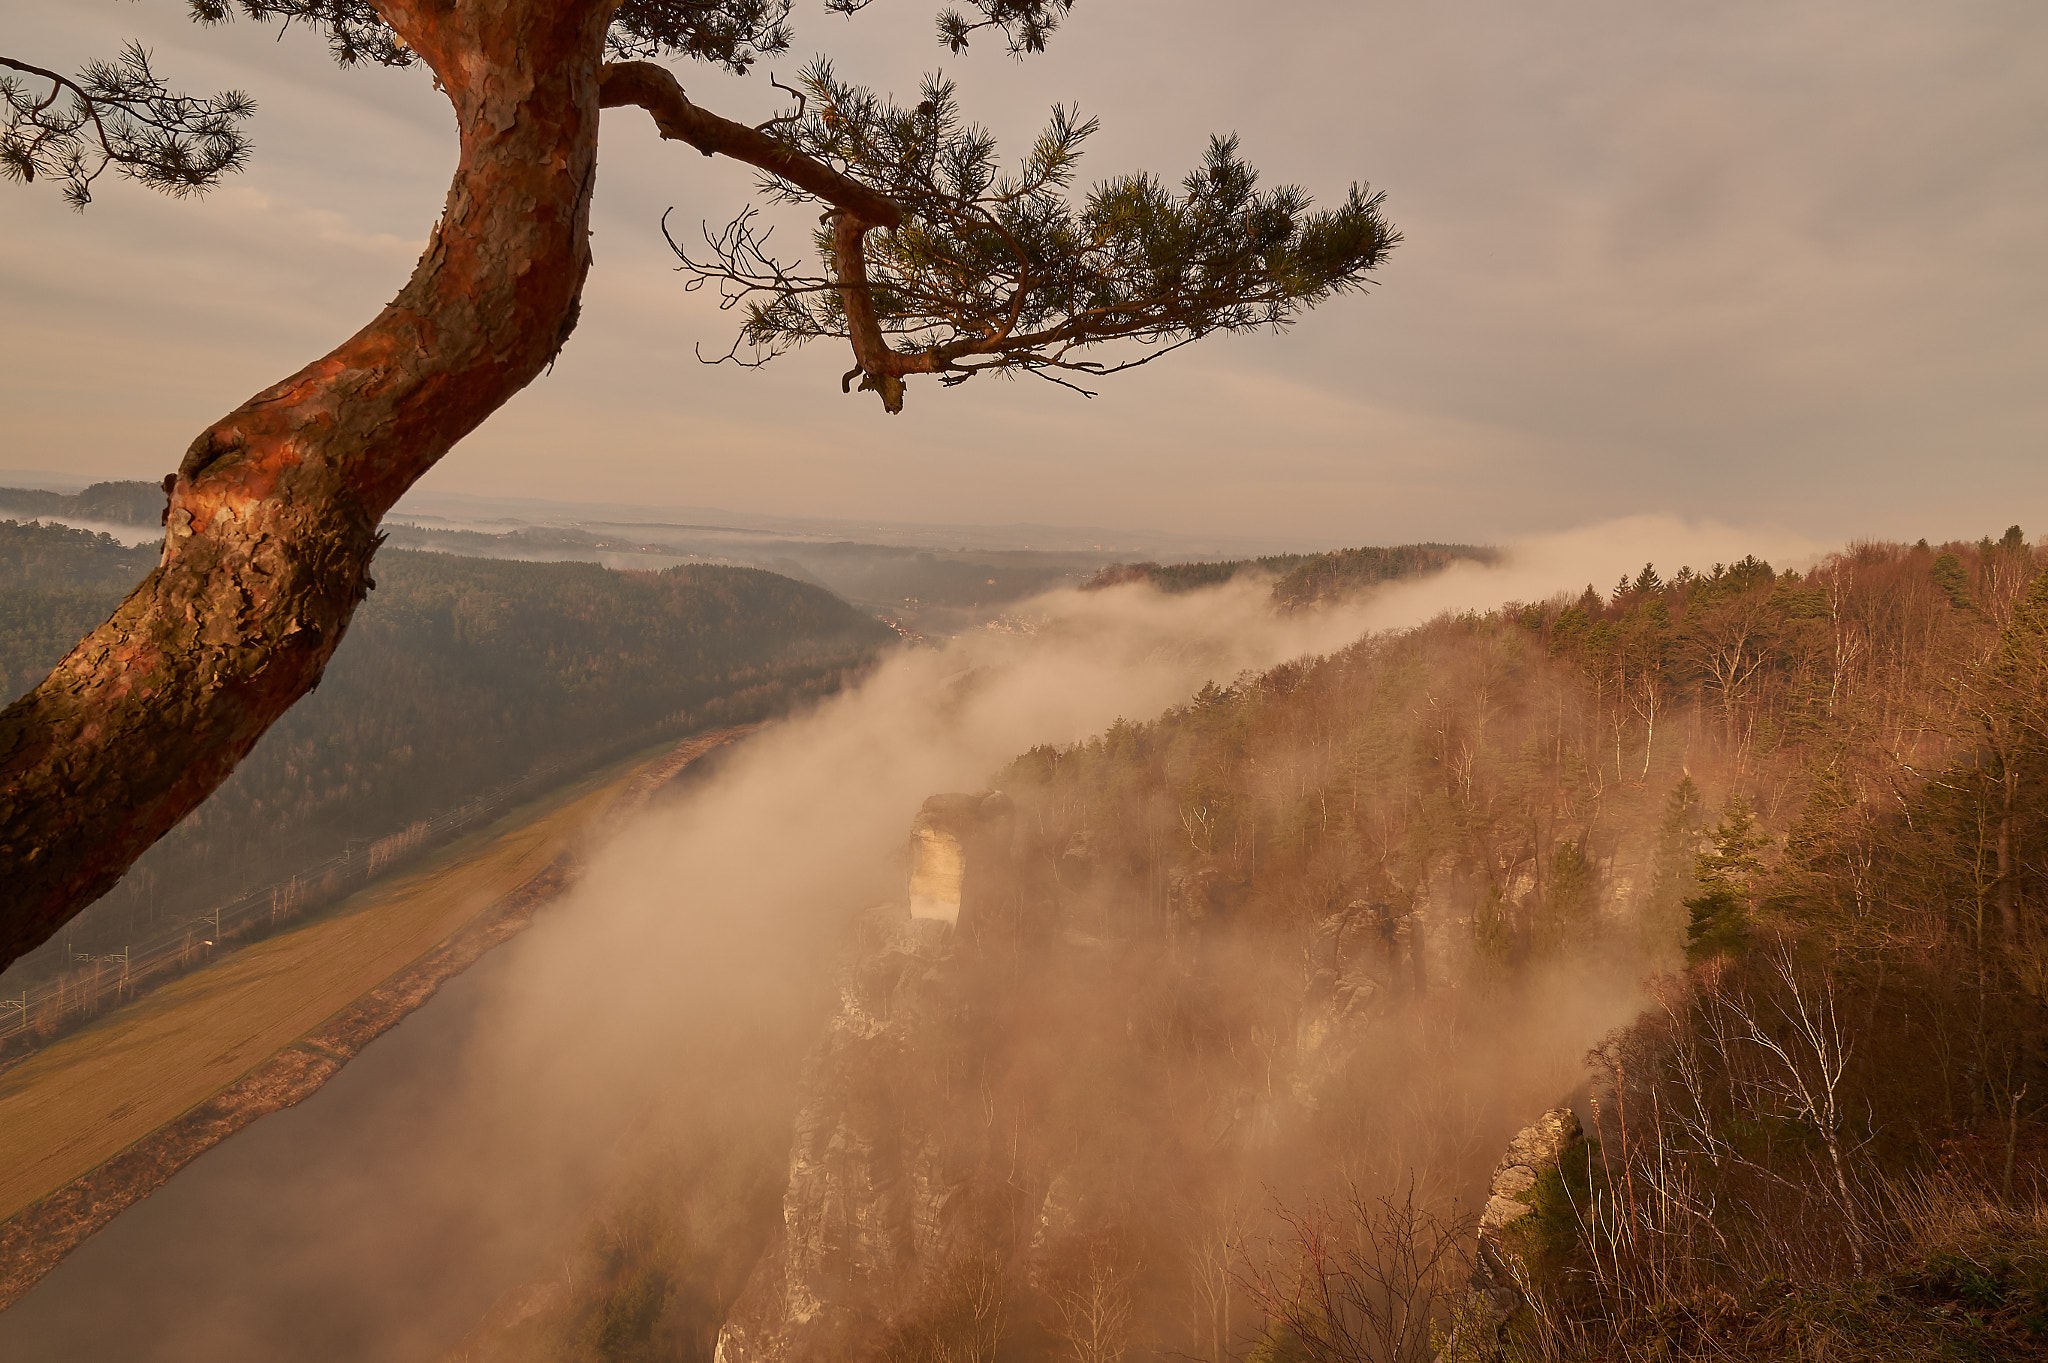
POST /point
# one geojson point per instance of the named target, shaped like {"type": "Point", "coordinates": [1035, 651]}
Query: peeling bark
{"type": "Point", "coordinates": [273, 514]}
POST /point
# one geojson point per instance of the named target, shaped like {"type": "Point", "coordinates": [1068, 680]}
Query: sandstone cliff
{"type": "Point", "coordinates": [1051, 1099]}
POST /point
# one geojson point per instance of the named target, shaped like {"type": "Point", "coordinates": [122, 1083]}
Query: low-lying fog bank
{"type": "Point", "coordinates": [694, 960]}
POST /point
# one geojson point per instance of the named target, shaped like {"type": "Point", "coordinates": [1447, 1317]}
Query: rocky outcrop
{"type": "Point", "coordinates": [1052, 1086]}
{"type": "Point", "coordinates": [872, 1196]}
{"type": "Point", "coordinates": [1537, 1149]}
{"type": "Point", "coordinates": [1360, 959]}
{"type": "Point", "coordinates": [886, 1191]}
{"type": "Point", "coordinates": [1497, 1271]}
{"type": "Point", "coordinates": [948, 833]}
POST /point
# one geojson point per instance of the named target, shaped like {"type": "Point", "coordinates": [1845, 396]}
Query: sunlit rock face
{"type": "Point", "coordinates": [875, 1159]}
{"type": "Point", "coordinates": [1497, 1271]}
{"type": "Point", "coordinates": [891, 1173]}
{"type": "Point", "coordinates": [1535, 1150]}
{"type": "Point", "coordinates": [1045, 1066]}
{"type": "Point", "coordinates": [936, 867]}
{"type": "Point", "coordinates": [942, 837]}
{"type": "Point", "coordinates": [1361, 961]}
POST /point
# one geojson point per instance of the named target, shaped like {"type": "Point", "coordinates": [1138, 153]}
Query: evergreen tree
{"type": "Point", "coordinates": [1569, 902]}
{"type": "Point", "coordinates": [1673, 877]}
{"type": "Point", "coordinates": [2013, 720]}
{"type": "Point", "coordinates": [1954, 581]}
{"type": "Point", "coordinates": [1726, 874]}
{"type": "Point", "coordinates": [2021, 664]}
{"type": "Point", "coordinates": [1648, 581]}
{"type": "Point", "coordinates": [1751, 572]}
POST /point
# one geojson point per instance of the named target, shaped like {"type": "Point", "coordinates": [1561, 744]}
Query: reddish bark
{"type": "Point", "coordinates": [272, 518]}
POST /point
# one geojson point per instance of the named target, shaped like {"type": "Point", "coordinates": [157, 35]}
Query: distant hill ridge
{"type": "Point", "coordinates": [122, 503]}
{"type": "Point", "coordinates": [1300, 579]}
{"type": "Point", "coordinates": [56, 583]}
{"type": "Point", "coordinates": [458, 676]}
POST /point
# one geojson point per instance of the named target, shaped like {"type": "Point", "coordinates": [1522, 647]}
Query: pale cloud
{"type": "Point", "coordinates": [271, 216]}
{"type": "Point", "coordinates": [1566, 562]}
{"type": "Point", "coordinates": [1771, 263]}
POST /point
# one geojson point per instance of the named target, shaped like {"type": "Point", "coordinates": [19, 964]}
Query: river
{"type": "Point", "coordinates": [344, 1228]}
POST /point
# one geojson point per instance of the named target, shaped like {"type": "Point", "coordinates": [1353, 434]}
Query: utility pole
{"type": "Point", "coordinates": [96, 961]}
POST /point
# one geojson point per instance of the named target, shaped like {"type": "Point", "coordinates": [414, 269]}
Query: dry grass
{"type": "Point", "coordinates": [83, 1099]}
{"type": "Point", "coordinates": [1951, 1215]}
{"type": "Point", "coordinates": [1964, 1280]}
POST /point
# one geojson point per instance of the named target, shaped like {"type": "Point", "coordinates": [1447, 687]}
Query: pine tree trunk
{"type": "Point", "coordinates": [272, 519]}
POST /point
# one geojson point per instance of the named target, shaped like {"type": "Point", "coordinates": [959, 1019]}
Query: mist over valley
{"type": "Point", "coordinates": [1066, 979]}
{"type": "Point", "coordinates": [805, 681]}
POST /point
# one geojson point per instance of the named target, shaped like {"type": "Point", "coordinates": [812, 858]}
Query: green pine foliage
{"type": "Point", "coordinates": [1014, 272]}
{"type": "Point", "coordinates": [1719, 916]}
{"type": "Point", "coordinates": [1948, 575]}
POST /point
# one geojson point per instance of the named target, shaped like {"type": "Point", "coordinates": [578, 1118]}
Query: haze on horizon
{"type": "Point", "coordinates": [1774, 266]}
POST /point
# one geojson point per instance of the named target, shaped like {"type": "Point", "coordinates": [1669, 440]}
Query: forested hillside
{"type": "Point", "coordinates": [57, 583]}
{"type": "Point", "coordinates": [122, 503]}
{"type": "Point", "coordinates": [457, 675]}
{"type": "Point", "coordinates": [1248, 999]}
{"type": "Point", "coordinates": [1827, 1134]}
{"type": "Point", "coordinates": [925, 591]}
{"type": "Point", "coordinates": [1299, 579]}
{"type": "Point", "coordinates": [1821, 799]}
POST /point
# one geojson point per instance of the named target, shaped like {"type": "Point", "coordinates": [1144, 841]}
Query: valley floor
{"type": "Point", "coordinates": [87, 1098]}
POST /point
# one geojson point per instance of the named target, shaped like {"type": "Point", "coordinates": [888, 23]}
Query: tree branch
{"type": "Point", "coordinates": [120, 114]}
{"type": "Point", "coordinates": [1011, 271]}
{"type": "Point", "coordinates": [857, 209]}
{"type": "Point", "coordinates": [655, 88]}
{"type": "Point", "coordinates": [884, 368]}
{"type": "Point", "coordinates": [273, 511]}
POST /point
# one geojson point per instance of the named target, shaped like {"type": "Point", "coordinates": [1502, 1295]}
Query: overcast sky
{"type": "Point", "coordinates": [1780, 264]}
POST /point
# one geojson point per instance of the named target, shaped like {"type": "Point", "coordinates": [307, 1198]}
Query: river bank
{"type": "Point", "coordinates": [100, 1120]}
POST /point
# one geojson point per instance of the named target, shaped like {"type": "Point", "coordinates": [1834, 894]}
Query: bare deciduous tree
{"type": "Point", "coordinates": [1805, 1061]}
{"type": "Point", "coordinates": [962, 1319]}
{"type": "Point", "coordinates": [1361, 1280]}
{"type": "Point", "coordinates": [1091, 1303]}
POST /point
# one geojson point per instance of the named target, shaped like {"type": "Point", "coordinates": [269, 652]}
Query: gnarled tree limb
{"type": "Point", "coordinates": [656, 89]}
{"type": "Point", "coordinates": [987, 270]}
{"type": "Point", "coordinates": [272, 517]}
{"type": "Point", "coordinates": [272, 514]}
{"type": "Point", "coordinates": [857, 209]}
